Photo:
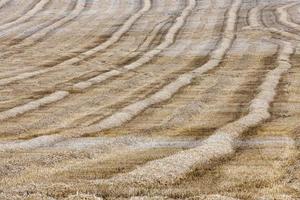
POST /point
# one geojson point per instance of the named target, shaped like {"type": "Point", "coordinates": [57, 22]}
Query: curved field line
{"type": "Point", "coordinates": [6, 115]}
{"type": "Point", "coordinates": [31, 39]}
{"type": "Point", "coordinates": [72, 13]}
{"type": "Point", "coordinates": [282, 32]}
{"type": "Point", "coordinates": [117, 35]}
{"type": "Point", "coordinates": [142, 88]}
{"type": "Point", "coordinates": [132, 110]}
{"type": "Point", "coordinates": [253, 17]}
{"type": "Point", "coordinates": [284, 18]}
{"type": "Point", "coordinates": [56, 96]}
{"type": "Point", "coordinates": [149, 39]}
{"type": "Point", "coordinates": [174, 29]}
{"type": "Point", "coordinates": [38, 34]}
{"type": "Point", "coordinates": [170, 37]}
{"type": "Point", "coordinates": [148, 56]}
{"type": "Point", "coordinates": [255, 24]}
{"type": "Point", "coordinates": [172, 168]}
{"type": "Point", "coordinates": [113, 39]}
{"type": "Point", "coordinates": [42, 33]}
{"type": "Point", "coordinates": [37, 28]}
{"type": "Point", "coordinates": [38, 7]}
{"type": "Point", "coordinates": [220, 144]}
{"type": "Point", "coordinates": [146, 142]}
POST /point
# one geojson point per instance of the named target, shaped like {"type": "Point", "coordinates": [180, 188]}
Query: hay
{"type": "Point", "coordinates": [38, 7]}
{"type": "Point", "coordinates": [13, 112]}
{"type": "Point", "coordinates": [42, 33]}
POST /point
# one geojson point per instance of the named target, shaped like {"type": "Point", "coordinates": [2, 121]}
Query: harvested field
{"type": "Point", "coordinates": [149, 99]}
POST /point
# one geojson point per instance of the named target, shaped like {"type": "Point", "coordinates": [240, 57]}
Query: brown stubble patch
{"type": "Point", "coordinates": [78, 177]}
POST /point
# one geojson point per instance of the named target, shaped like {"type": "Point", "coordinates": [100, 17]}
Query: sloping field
{"type": "Point", "coordinates": [149, 99]}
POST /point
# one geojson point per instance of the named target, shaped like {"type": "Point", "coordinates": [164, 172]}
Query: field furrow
{"type": "Point", "coordinates": [149, 99]}
{"type": "Point", "coordinates": [35, 9]}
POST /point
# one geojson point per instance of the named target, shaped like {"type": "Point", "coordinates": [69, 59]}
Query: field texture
{"type": "Point", "coordinates": [149, 99]}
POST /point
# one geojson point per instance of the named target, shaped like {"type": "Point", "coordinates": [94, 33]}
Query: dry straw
{"type": "Point", "coordinates": [56, 96]}
{"type": "Point", "coordinates": [170, 37]}
{"type": "Point", "coordinates": [130, 111]}
{"type": "Point", "coordinates": [254, 21]}
{"type": "Point", "coordinates": [76, 12]}
{"type": "Point", "coordinates": [38, 7]}
{"type": "Point", "coordinates": [220, 144]}
{"type": "Point", "coordinates": [114, 38]}
{"type": "Point", "coordinates": [169, 40]}
{"type": "Point", "coordinates": [284, 18]}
